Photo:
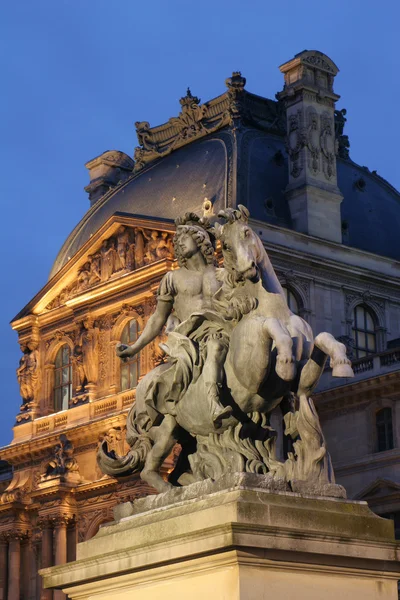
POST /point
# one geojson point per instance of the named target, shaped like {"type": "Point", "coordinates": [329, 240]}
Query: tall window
{"type": "Point", "coordinates": [130, 368]}
{"type": "Point", "coordinates": [363, 332]}
{"type": "Point", "coordinates": [384, 429]}
{"type": "Point", "coordinates": [291, 300]}
{"type": "Point", "coordinates": [63, 379]}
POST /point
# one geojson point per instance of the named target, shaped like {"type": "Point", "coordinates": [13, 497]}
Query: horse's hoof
{"type": "Point", "coordinates": [286, 369]}
{"type": "Point", "coordinates": [342, 370]}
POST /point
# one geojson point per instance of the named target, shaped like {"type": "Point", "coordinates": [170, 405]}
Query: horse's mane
{"type": "Point", "coordinates": [269, 279]}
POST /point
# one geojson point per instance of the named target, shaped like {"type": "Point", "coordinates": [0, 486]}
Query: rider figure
{"type": "Point", "coordinates": [187, 291]}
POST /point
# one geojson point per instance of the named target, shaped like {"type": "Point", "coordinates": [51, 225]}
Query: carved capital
{"type": "Point", "coordinates": [60, 521]}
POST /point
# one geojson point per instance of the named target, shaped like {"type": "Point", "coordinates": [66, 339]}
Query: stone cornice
{"type": "Point", "coordinates": [357, 393]}
{"type": "Point", "coordinates": [313, 257]}
{"type": "Point", "coordinates": [37, 446]}
{"type": "Point", "coordinates": [377, 460]}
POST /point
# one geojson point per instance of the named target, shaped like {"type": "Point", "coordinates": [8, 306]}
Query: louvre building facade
{"type": "Point", "coordinates": [331, 229]}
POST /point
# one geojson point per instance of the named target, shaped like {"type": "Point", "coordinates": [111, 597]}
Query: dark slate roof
{"type": "Point", "coordinates": [168, 188]}
{"type": "Point", "coordinates": [244, 162]}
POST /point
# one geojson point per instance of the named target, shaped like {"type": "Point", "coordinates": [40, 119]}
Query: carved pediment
{"type": "Point", "coordinates": [130, 248]}
{"type": "Point", "coordinates": [380, 488]}
{"type": "Point", "coordinates": [123, 245]}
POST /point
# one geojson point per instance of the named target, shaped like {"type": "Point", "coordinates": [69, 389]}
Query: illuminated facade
{"type": "Point", "coordinates": [288, 161]}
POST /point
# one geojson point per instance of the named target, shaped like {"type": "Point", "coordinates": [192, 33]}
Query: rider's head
{"type": "Point", "coordinates": [191, 237]}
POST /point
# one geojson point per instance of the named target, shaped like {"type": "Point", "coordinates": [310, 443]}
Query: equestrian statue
{"type": "Point", "coordinates": [235, 351]}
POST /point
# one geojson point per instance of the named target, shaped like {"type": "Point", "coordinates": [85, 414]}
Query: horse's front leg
{"type": "Point", "coordinates": [285, 361]}
{"type": "Point", "coordinates": [164, 440]}
{"type": "Point", "coordinates": [341, 365]}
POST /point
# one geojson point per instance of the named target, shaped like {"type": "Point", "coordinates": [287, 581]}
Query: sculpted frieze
{"type": "Point", "coordinates": [129, 249]}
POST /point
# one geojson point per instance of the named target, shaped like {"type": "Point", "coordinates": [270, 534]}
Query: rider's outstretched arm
{"type": "Point", "coordinates": [152, 329]}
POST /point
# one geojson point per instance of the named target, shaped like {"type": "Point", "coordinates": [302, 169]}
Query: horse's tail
{"type": "Point", "coordinates": [138, 438]}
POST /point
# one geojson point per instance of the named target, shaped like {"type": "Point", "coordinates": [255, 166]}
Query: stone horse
{"type": "Point", "coordinates": [272, 357]}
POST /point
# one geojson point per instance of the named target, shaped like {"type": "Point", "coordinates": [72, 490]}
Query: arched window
{"type": "Point", "coordinates": [63, 378]}
{"type": "Point", "coordinates": [130, 368]}
{"type": "Point", "coordinates": [363, 331]}
{"type": "Point", "coordinates": [291, 300]}
{"type": "Point", "coordinates": [384, 429]}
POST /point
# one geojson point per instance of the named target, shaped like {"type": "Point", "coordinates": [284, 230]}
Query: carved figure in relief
{"type": "Point", "coordinates": [237, 346]}
{"type": "Point", "coordinates": [27, 372]}
{"type": "Point", "coordinates": [130, 257]}
{"type": "Point", "coordinates": [84, 277]}
{"type": "Point", "coordinates": [151, 247]}
{"type": "Point", "coordinates": [122, 246]}
{"type": "Point", "coordinates": [86, 353]}
{"type": "Point", "coordinates": [107, 259]}
{"type": "Point", "coordinates": [139, 247]}
{"type": "Point", "coordinates": [164, 247]}
{"type": "Point", "coordinates": [95, 268]}
{"type": "Point", "coordinates": [63, 460]}
{"type": "Point", "coordinates": [77, 357]}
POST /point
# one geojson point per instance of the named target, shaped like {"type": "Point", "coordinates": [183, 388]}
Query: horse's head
{"type": "Point", "coordinates": [240, 245]}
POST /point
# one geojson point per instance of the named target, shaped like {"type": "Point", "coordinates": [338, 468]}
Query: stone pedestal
{"type": "Point", "coordinates": [239, 538]}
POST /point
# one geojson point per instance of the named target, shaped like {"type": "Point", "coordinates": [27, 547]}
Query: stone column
{"type": "Point", "coordinates": [14, 567]}
{"type": "Point", "coordinates": [47, 552]}
{"type": "Point", "coordinates": [26, 568]}
{"type": "Point", "coordinates": [71, 542]}
{"type": "Point", "coordinates": [3, 567]}
{"type": "Point", "coordinates": [312, 193]}
{"type": "Point", "coordinates": [60, 541]}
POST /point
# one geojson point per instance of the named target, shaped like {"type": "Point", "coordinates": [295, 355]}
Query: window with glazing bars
{"type": "Point", "coordinates": [363, 332]}
{"type": "Point", "coordinates": [63, 379]}
{"type": "Point", "coordinates": [384, 429]}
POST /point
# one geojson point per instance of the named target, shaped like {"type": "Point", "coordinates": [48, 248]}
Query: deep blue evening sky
{"type": "Point", "coordinates": [77, 74]}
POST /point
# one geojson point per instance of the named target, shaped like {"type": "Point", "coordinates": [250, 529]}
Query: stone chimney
{"type": "Point", "coordinates": [106, 171]}
{"type": "Point", "coordinates": [313, 196]}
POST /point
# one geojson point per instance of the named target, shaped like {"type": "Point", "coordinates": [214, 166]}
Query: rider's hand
{"type": "Point", "coordinates": [123, 351]}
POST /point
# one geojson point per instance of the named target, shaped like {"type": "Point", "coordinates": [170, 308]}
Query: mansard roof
{"type": "Point", "coordinates": [232, 150]}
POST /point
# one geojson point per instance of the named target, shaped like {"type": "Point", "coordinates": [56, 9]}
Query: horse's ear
{"type": "Point", "coordinates": [244, 212]}
{"type": "Point", "coordinates": [217, 230]}
{"type": "Point", "coordinates": [223, 214]}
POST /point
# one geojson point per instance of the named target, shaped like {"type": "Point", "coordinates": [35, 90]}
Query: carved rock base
{"type": "Point", "coordinates": [243, 542]}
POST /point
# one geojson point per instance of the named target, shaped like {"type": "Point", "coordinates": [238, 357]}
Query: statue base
{"type": "Point", "coordinates": [241, 538]}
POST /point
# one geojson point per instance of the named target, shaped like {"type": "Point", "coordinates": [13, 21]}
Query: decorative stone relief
{"type": "Point", "coordinates": [235, 85]}
{"type": "Point", "coordinates": [328, 146]}
{"type": "Point", "coordinates": [63, 463]}
{"type": "Point", "coordinates": [130, 249]}
{"type": "Point", "coordinates": [295, 141]}
{"type": "Point", "coordinates": [28, 372]}
{"type": "Point", "coordinates": [313, 142]}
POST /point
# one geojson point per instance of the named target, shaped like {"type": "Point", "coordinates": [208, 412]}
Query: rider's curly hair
{"type": "Point", "coordinates": [200, 230]}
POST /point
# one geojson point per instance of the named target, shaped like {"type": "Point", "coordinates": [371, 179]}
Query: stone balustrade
{"type": "Point", "coordinates": [364, 368]}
